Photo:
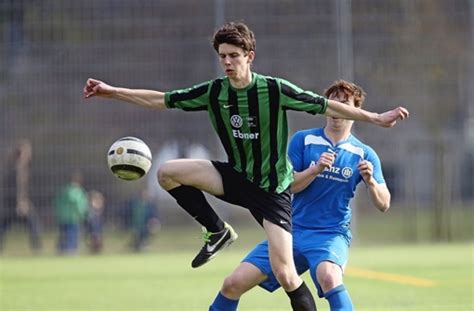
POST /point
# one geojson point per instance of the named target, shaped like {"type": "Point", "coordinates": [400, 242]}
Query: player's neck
{"type": "Point", "coordinates": [242, 81]}
{"type": "Point", "coordinates": [337, 135]}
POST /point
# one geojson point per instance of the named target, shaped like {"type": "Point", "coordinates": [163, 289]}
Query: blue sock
{"type": "Point", "coordinates": [221, 303]}
{"type": "Point", "coordinates": [339, 299]}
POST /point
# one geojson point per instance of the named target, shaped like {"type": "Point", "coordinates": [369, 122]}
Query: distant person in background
{"type": "Point", "coordinates": [329, 163]}
{"type": "Point", "coordinates": [95, 222]}
{"type": "Point", "coordinates": [17, 205]}
{"type": "Point", "coordinates": [70, 206]}
{"type": "Point", "coordinates": [144, 220]}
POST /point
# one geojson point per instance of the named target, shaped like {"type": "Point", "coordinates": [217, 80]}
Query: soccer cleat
{"type": "Point", "coordinates": [214, 242]}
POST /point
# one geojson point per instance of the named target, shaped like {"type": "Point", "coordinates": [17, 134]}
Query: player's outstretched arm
{"type": "Point", "coordinates": [386, 119]}
{"type": "Point", "coordinates": [144, 98]}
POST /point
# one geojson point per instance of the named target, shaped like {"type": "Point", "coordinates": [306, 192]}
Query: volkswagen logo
{"type": "Point", "coordinates": [236, 121]}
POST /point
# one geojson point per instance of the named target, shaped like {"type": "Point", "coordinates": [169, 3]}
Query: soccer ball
{"type": "Point", "coordinates": [129, 158]}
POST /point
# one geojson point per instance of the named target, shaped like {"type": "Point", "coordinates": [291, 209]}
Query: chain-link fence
{"type": "Point", "coordinates": [418, 54]}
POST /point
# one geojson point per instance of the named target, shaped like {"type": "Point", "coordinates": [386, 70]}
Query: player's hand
{"type": "Point", "coordinates": [97, 88]}
{"type": "Point", "coordinates": [326, 160]}
{"type": "Point", "coordinates": [366, 170]}
{"type": "Point", "coordinates": [390, 118]}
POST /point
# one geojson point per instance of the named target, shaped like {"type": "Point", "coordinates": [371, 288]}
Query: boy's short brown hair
{"type": "Point", "coordinates": [235, 33]}
{"type": "Point", "coordinates": [349, 89]}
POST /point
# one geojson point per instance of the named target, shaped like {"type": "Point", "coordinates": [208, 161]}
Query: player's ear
{"type": "Point", "coordinates": [251, 56]}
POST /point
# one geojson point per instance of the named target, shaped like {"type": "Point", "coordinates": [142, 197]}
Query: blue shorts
{"type": "Point", "coordinates": [309, 249]}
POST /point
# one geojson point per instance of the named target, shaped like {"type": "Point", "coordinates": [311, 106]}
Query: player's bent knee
{"type": "Point", "coordinates": [286, 279]}
{"type": "Point", "coordinates": [162, 178]}
{"type": "Point", "coordinates": [165, 174]}
{"type": "Point", "coordinates": [232, 287]}
{"type": "Point", "coordinates": [328, 279]}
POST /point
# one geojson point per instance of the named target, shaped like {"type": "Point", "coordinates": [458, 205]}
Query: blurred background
{"type": "Point", "coordinates": [418, 54]}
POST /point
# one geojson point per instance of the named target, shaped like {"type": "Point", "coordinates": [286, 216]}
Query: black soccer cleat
{"type": "Point", "coordinates": [214, 242]}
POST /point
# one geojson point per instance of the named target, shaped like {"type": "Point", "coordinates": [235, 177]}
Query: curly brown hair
{"type": "Point", "coordinates": [349, 89]}
{"type": "Point", "coordinates": [235, 33]}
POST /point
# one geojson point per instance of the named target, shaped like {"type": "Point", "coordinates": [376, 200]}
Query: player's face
{"type": "Point", "coordinates": [338, 123]}
{"type": "Point", "coordinates": [235, 62]}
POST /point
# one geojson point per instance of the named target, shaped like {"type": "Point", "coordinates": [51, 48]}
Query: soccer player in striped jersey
{"type": "Point", "coordinates": [329, 163]}
{"type": "Point", "coordinates": [248, 113]}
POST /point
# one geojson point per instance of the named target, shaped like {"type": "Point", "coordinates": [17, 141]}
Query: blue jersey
{"type": "Point", "coordinates": [321, 212]}
{"type": "Point", "coordinates": [324, 205]}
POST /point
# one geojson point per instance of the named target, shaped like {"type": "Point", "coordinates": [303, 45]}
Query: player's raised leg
{"type": "Point", "coordinates": [280, 250]}
{"type": "Point", "coordinates": [185, 179]}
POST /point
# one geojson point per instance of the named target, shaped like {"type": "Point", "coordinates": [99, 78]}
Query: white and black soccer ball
{"type": "Point", "coordinates": [129, 158]}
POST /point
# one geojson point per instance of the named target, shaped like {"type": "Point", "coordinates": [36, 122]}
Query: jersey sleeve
{"type": "Point", "coordinates": [190, 99]}
{"type": "Point", "coordinates": [295, 151]}
{"type": "Point", "coordinates": [373, 158]}
{"type": "Point", "coordinates": [294, 98]}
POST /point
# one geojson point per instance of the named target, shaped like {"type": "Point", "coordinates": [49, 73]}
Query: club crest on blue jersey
{"type": "Point", "coordinates": [347, 172]}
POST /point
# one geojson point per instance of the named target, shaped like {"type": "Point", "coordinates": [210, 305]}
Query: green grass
{"type": "Point", "coordinates": [165, 281]}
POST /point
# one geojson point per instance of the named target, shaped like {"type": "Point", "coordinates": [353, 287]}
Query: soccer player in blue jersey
{"type": "Point", "coordinates": [329, 163]}
{"type": "Point", "coordinates": [248, 113]}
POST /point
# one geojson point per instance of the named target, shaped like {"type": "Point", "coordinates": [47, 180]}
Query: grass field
{"type": "Point", "coordinates": [380, 278]}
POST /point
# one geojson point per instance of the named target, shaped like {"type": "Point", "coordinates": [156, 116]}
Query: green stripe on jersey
{"type": "Point", "coordinates": [252, 123]}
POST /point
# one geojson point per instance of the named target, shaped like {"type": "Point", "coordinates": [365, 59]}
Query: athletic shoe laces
{"type": "Point", "coordinates": [206, 235]}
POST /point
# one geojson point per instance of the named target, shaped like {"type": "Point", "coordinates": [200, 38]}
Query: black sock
{"type": "Point", "coordinates": [194, 202]}
{"type": "Point", "coordinates": [301, 299]}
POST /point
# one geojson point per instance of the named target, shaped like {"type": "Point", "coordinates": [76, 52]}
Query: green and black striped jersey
{"type": "Point", "coordinates": [252, 123]}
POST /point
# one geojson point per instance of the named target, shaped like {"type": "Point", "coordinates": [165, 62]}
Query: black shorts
{"type": "Point", "coordinates": [274, 207]}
